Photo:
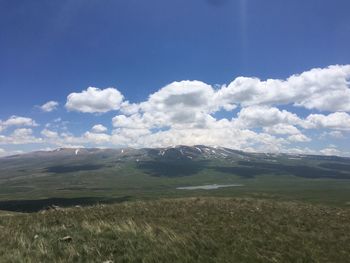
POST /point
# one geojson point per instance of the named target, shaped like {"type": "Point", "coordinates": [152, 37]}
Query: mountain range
{"type": "Point", "coordinates": [154, 172]}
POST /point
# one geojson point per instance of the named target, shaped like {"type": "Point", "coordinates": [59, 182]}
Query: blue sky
{"type": "Point", "coordinates": [50, 49]}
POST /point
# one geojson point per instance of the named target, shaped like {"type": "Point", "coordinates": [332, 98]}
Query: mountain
{"type": "Point", "coordinates": [127, 173]}
{"type": "Point", "coordinates": [64, 160]}
{"type": "Point", "coordinates": [179, 152]}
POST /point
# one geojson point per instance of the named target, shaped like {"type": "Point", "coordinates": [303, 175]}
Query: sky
{"type": "Point", "coordinates": [265, 76]}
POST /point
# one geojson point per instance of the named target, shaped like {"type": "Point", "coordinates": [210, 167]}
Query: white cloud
{"type": "Point", "coordinates": [222, 133]}
{"type": "Point", "coordinates": [281, 128]}
{"type": "Point", "coordinates": [129, 108]}
{"type": "Point", "coordinates": [20, 136]}
{"type": "Point", "coordinates": [58, 124]}
{"type": "Point", "coordinates": [94, 100]}
{"type": "Point", "coordinates": [49, 134]}
{"type": "Point", "coordinates": [298, 138]}
{"type": "Point", "coordinates": [330, 151]}
{"type": "Point", "coordinates": [298, 150]}
{"type": "Point", "coordinates": [134, 121]}
{"type": "Point", "coordinates": [188, 94]}
{"type": "Point", "coordinates": [263, 116]}
{"type": "Point", "coordinates": [322, 89]}
{"type": "Point", "coordinates": [185, 103]}
{"type": "Point", "coordinates": [336, 134]}
{"type": "Point", "coordinates": [98, 128]}
{"type": "Point", "coordinates": [4, 152]}
{"type": "Point", "coordinates": [22, 132]}
{"type": "Point", "coordinates": [97, 138]}
{"type": "Point", "coordinates": [192, 112]}
{"type": "Point", "coordinates": [337, 120]}
{"type": "Point", "coordinates": [182, 112]}
{"type": "Point", "coordinates": [49, 106]}
{"type": "Point", "coordinates": [17, 121]}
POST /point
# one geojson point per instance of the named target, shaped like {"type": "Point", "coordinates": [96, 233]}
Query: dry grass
{"type": "Point", "coordinates": [181, 230]}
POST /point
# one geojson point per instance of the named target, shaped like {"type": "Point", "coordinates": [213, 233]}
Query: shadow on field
{"type": "Point", "coordinates": [252, 169]}
{"type": "Point", "coordinates": [176, 168]}
{"type": "Point", "coordinates": [336, 166]}
{"type": "Point", "coordinates": [30, 206]}
{"type": "Point", "coordinates": [73, 168]}
{"type": "Point", "coordinates": [242, 171]}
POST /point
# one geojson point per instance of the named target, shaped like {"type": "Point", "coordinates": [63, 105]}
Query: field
{"type": "Point", "coordinates": [128, 206]}
{"type": "Point", "coordinates": [67, 185]}
{"type": "Point", "coordinates": [180, 230]}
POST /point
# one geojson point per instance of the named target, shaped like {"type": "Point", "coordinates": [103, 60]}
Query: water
{"type": "Point", "coordinates": [208, 186]}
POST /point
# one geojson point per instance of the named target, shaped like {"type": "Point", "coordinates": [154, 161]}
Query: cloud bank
{"type": "Point", "coordinates": [17, 121]}
{"type": "Point", "coordinates": [248, 114]}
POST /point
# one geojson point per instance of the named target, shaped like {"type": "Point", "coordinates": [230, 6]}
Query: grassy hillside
{"type": "Point", "coordinates": [63, 177]}
{"type": "Point", "coordinates": [180, 230]}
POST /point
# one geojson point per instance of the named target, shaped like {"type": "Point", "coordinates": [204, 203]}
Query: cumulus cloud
{"type": "Point", "coordinates": [49, 134]}
{"type": "Point", "coordinates": [94, 100]}
{"type": "Point", "coordinates": [179, 103]}
{"type": "Point", "coordinates": [58, 124]}
{"type": "Point", "coordinates": [189, 94]}
{"type": "Point", "coordinates": [245, 114]}
{"type": "Point", "coordinates": [298, 138]}
{"type": "Point", "coordinates": [324, 89]}
{"type": "Point", "coordinates": [4, 152]}
{"type": "Point", "coordinates": [337, 120]}
{"type": "Point", "coordinates": [129, 108]}
{"type": "Point", "coordinates": [49, 106]}
{"type": "Point", "coordinates": [97, 138]}
{"type": "Point", "coordinates": [330, 151]}
{"type": "Point", "coordinates": [20, 136]}
{"type": "Point", "coordinates": [98, 128]}
{"type": "Point", "coordinates": [300, 150]}
{"type": "Point", "coordinates": [17, 121]}
{"type": "Point", "coordinates": [183, 112]}
{"type": "Point", "coordinates": [336, 134]}
{"type": "Point", "coordinates": [282, 129]}
{"type": "Point", "coordinates": [221, 132]}
{"type": "Point", "coordinates": [135, 121]}
{"type": "Point", "coordinates": [263, 116]}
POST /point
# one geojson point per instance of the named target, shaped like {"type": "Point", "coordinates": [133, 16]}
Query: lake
{"type": "Point", "coordinates": [207, 187]}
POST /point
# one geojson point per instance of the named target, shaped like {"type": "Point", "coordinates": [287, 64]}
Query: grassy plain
{"type": "Point", "coordinates": [125, 210]}
{"type": "Point", "coordinates": [180, 230]}
{"type": "Point", "coordinates": [129, 182]}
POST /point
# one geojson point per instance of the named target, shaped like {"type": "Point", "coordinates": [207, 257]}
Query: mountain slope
{"type": "Point", "coordinates": [181, 230]}
{"type": "Point", "coordinates": [119, 174]}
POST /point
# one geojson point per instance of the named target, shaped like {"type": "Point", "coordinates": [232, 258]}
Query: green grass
{"type": "Point", "coordinates": [128, 180]}
{"type": "Point", "coordinates": [180, 230]}
{"type": "Point", "coordinates": [134, 183]}
{"type": "Point", "coordinates": [311, 179]}
{"type": "Point", "coordinates": [286, 211]}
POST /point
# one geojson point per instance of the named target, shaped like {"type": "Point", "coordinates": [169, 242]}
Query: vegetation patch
{"type": "Point", "coordinates": [175, 168]}
{"type": "Point", "coordinates": [29, 206]}
{"type": "Point", "coordinates": [73, 168]}
{"type": "Point", "coordinates": [180, 230]}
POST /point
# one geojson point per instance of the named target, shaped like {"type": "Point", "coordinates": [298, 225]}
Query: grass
{"type": "Point", "coordinates": [127, 180]}
{"type": "Point", "coordinates": [286, 211]}
{"type": "Point", "coordinates": [204, 229]}
{"type": "Point", "coordinates": [312, 179]}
